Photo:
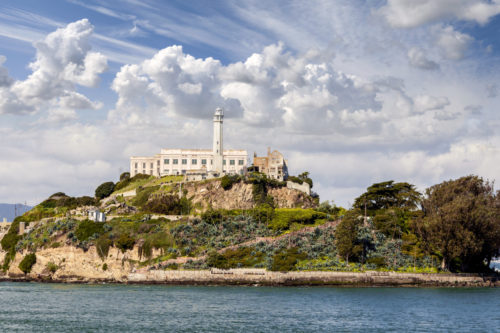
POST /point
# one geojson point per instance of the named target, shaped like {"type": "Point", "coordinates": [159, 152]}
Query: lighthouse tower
{"type": "Point", "coordinates": [217, 148]}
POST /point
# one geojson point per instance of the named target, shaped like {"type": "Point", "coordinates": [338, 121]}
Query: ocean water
{"type": "Point", "coordinates": [35, 307]}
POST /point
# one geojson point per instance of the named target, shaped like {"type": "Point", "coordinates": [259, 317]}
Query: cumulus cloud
{"type": "Point", "coordinates": [63, 60]}
{"type": "Point", "coordinates": [5, 79]}
{"type": "Point", "coordinates": [410, 13]}
{"type": "Point", "coordinates": [453, 43]}
{"type": "Point", "coordinates": [170, 81]}
{"type": "Point", "coordinates": [417, 58]}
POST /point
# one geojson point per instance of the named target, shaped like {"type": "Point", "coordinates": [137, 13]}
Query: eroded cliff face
{"type": "Point", "coordinates": [78, 265]}
{"type": "Point", "coordinates": [239, 196]}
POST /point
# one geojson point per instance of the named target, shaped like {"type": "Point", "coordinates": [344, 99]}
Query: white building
{"type": "Point", "coordinates": [97, 216]}
{"type": "Point", "coordinates": [215, 162]}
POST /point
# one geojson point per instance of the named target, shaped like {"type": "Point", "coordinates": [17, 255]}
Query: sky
{"type": "Point", "coordinates": [354, 92]}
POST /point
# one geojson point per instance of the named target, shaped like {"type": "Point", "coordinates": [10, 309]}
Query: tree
{"type": "Point", "coordinates": [305, 177]}
{"type": "Point", "coordinates": [124, 176]}
{"type": "Point", "coordinates": [104, 190]}
{"type": "Point", "coordinates": [346, 235]}
{"type": "Point", "coordinates": [461, 223]}
{"type": "Point", "coordinates": [388, 195]}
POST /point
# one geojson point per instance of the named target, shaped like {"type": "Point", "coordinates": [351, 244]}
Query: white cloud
{"type": "Point", "coordinates": [425, 103]}
{"type": "Point", "coordinates": [411, 13]}
{"type": "Point", "coordinates": [5, 79]}
{"type": "Point", "coordinates": [453, 43]}
{"type": "Point", "coordinates": [417, 58]}
{"type": "Point", "coordinates": [63, 60]}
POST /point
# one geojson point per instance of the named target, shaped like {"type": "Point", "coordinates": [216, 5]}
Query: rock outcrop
{"type": "Point", "coordinates": [240, 196]}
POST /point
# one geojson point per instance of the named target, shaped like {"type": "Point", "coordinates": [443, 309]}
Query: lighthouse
{"type": "Point", "coordinates": [217, 147]}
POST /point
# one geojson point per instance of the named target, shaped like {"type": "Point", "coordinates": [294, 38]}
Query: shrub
{"type": "Point", "coordinates": [125, 242]}
{"type": "Point", "coordinates": [228, 180]}
{"type": "Point", "coordinates": [87, 228]}
{"type": "Point", "coordinates": [284, 217]}
{"type": "Point", "coordinates": [212, 216]}
{"type": "Point", "coordinates": [143, 195]}
{"type": "Point", "coordinates": [102, 245]}
{"type": "Point", "coordinates": [165, 204]}
{"type": "Point", "coordinates": [104, 190]}
{"type": "Point", "coordinates": [124, 176]}
{"type": "Point", "coordinates": [27, 263]}
{"type": "Point", "coordinates": [286, 260]}
{"type": "Point", "coordinates": [55, 245]}
{"type": "Point", "coordinates": [52, 267]}
{"type": "Point", "coordinates": [104, 267]}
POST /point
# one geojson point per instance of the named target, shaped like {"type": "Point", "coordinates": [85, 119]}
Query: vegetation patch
{"type": "Point", "coordinates": [87, 229]}
{"type": "Point", "coordinates": [283, 218]}
{"type": "Point", "coordinates": [27, 263]}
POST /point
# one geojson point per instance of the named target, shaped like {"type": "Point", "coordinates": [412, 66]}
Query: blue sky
{"type": "Point", "coordinates": [355, 92]}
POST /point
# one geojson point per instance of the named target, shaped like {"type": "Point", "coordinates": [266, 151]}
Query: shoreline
{"type": "Point", "coordinates": [247, 277]}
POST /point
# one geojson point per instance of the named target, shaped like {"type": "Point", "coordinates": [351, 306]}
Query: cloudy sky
{"type": "Point", "coordinates": [355, 92]}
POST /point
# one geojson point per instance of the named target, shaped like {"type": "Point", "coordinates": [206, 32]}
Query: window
{"type": "Point", "coordinates": [151, 172]}
{"type": "Point", "coordinates": [231, 162]}
{"type": "Point", "coordinates": [158, 162]}
{"type": "Point", "coordinates": [184, 161]}
{"type": "Point", "coordinates": [175, 161]}
{"type": "Point", "coordinates": [136, 165]}
{"type": "Point", "coordinates": [194, 161]}
{"type": "Point", "coordinates": [166, 161]}
{"type": "Point", "coordinates": [144, 165]}
{"type": "Point", "coordinates": [224, 162]}
{"type": "Point", "coordinates": [151, 166]}
{"type": "Point", "coordinates": [241, 162]}
{"type": "Point", "coordinates": [204, 162]}
{"type": "Point", "coordinates": [211, 161]}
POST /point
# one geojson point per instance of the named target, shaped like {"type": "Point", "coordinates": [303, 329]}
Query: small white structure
{"type": "Point", "coordinates": [97, 216]}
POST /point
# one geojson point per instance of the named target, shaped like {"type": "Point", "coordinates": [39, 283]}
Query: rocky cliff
{"type": "Point", "coordinates": [240, 196]}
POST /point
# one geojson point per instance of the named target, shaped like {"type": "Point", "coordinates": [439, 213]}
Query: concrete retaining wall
{"type": "Point", "coordinates": [263, 277]}
{"type": "Point", "coordinates": [304, 187]}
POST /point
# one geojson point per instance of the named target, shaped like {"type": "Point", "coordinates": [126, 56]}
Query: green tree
{"type": "Point", "coordinates": [388, 195]}
{"type": "Point", "coordinates": [305, 177]}
{"type": "Point", "coordinates": [461, 223]}
{"type": "Point", "coordinates": [346, 235]}
{"type": "Point", "coordinates": [104, 190]}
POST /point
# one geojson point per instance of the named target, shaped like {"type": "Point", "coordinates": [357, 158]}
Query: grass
{"type": "Point", "coordinates": [149, 182]}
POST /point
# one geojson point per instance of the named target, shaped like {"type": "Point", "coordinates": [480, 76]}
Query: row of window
{"type": "Point", "coordinates": [175, 161]}
{"type": "Point", "coordinates": [203, 161]}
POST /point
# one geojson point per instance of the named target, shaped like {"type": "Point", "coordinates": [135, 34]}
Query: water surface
{"type": "Point", "coordinates": [38, 307]}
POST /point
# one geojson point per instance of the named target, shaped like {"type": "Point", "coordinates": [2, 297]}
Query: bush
{"type": "Point", "coordinates": [143, 194]}
{"type": "Point", "coordinates": [102, 245]}
{"type": "Point", "coordinates": [104, 267]}
{"type": "Point", "coordinates": [55, 245]}
{"type": "Point", "coordinates": [104, 190]}
{"type": "Point", "coordinates": [284, 217]}
{"type": "Point", "coordinates": [87, 228]}
{"type": "Point", "coordinates": [125, 242]}
{"type": "Point", "coordinates": [52, 267]}
{"type": "Point", "coordinates": [228, 180]}
{"type": "Point", "coordinates": [27, 263]}
{"type": "Point", "coordinates": [286, 260]}
{"type": "Point", "coordinates": [212, 216]}
{"type": "Point", "coordinates": [124, 176]}
{"type": "Point", "coordinates": [165, 204]}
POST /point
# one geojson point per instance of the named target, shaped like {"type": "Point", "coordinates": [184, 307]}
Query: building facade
{"type": "Point", "coordinates": [214, 163]}
{"type": "Point", "coordinates": [273, 165]}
